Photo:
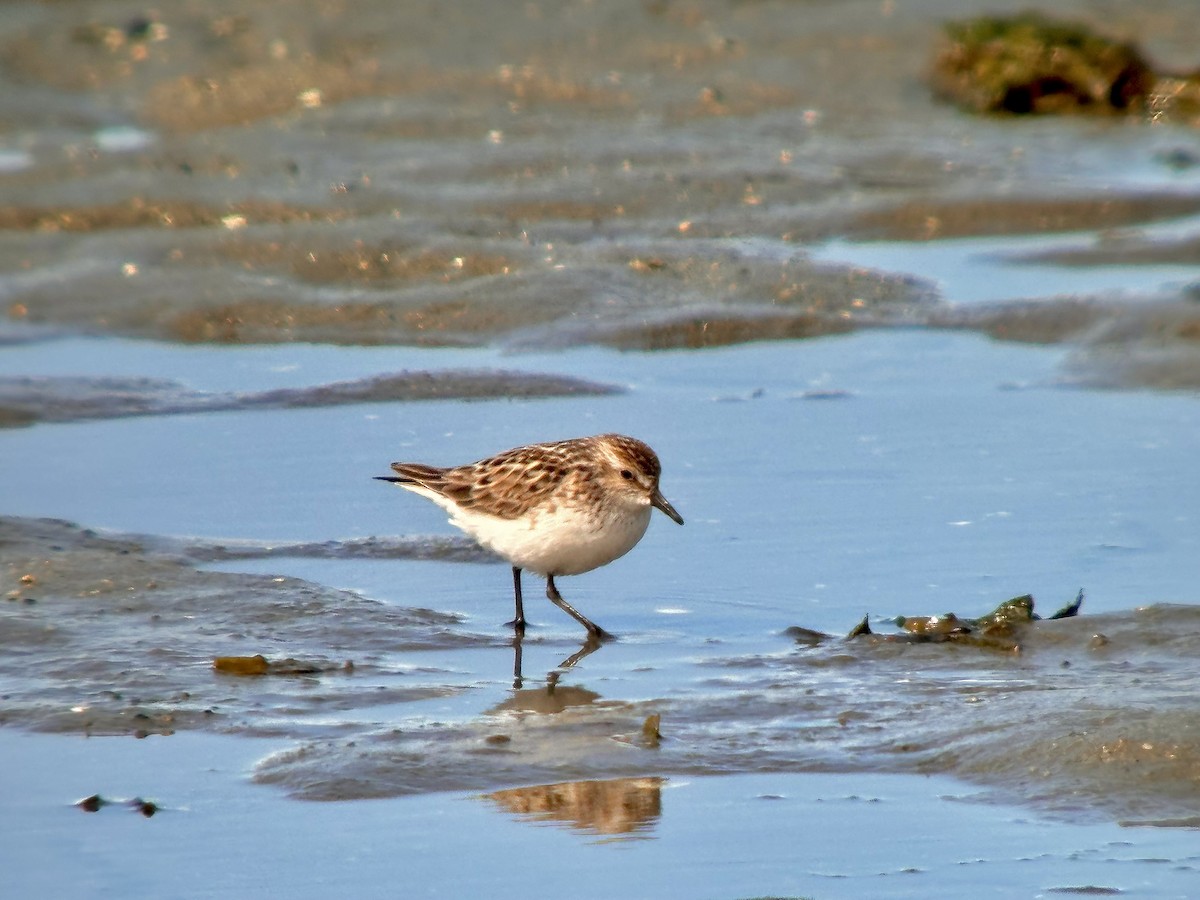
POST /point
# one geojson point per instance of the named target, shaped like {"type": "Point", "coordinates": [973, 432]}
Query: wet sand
{"type": "Point", "coordinates": [897, 360]}
{"type": "Point", "coordinates": [227, 174]}
{"type": "Point", "coordinates": [24, 400]}
{"type": "Point", "coordinates": [1041, 732]}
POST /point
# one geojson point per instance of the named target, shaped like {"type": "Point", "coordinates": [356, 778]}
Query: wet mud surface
{"type": "Point", "coordinates": [288, 208]}
{"type": "Point", "coordinates": [119, 636]}
{"type": "Point", "coordinates": [1035, 728]}
{"type": "Point", "coordinates": [26, 400]}
{"type": "Point", "coordinates": [230, 173]}
{"type": "Point", "coordinates": [154, 625]}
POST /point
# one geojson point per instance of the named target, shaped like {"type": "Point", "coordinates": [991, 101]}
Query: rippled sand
{"type": "Point", "coordinates": [646, 177]}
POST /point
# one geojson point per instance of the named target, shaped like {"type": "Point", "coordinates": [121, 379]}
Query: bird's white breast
{"type": "Point", "coordinates": [555, 539]}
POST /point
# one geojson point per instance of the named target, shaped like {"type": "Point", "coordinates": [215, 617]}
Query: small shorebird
{"type": "Point", "coordinates": [556, 509]}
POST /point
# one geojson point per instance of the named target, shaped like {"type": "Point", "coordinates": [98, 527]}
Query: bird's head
{"type": "Point", "coordinates": [632, 472]}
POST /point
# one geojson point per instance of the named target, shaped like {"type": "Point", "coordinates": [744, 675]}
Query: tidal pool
{"type": "Point", "coordinates": [736, 836]}
{"type": "Point", "coordinates": [821, 481]}
{"type": "Point", "coordinates": [311, 217]}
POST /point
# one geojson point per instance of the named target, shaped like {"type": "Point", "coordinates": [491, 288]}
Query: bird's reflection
{"type": "Point", "coordinates": [548, 698]}
{"type": "Point", "coordinates": [622, 807]}
{"type": "Point", "coordinates": [618, 808]}
{"type": "Point", "coordinates": [589, 646]}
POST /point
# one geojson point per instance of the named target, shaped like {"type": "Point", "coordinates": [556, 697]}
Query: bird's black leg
{"type": "Point", "coordinates": [594, 630]}
{"type": "Point", "coordinates": [518, 678]}
{"type": "Point", "coordinates": [518, 621]}
{"type": "Point", "coordinates": [590, 646]}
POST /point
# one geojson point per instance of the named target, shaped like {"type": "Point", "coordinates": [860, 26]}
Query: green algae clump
{"type": "Point", "coordinates": [1030, 63]}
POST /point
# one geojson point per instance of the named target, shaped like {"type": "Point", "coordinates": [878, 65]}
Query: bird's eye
{"type": "Point", "coordinates": [627, 475]}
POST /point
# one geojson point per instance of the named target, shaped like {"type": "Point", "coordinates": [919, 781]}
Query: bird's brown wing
{"type": "Point", "coordinates": [505, 485]}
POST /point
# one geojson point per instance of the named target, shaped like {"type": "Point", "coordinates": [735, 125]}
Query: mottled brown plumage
{"type": "Point", "coordinates": [511, 483]}
{"type": "Point", "coordinates": [558, 508]}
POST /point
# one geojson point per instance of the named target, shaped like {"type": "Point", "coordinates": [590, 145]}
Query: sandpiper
{"type": "Point", "coordinates": [559, 508]}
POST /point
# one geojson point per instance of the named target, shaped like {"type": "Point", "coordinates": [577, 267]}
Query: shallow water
{"type": "Point", "coordinates": [963, 480]}
{"type": "Point", "coordinates": [478, 193]}
{"type": "Point", "coordinates": [813, 493]}
{"type": "Point", "coordinates": [988, 270]}
{"type": "Point", "coordinates": [750, 835]}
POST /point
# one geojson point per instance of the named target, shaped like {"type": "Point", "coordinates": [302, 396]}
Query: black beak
{"type": "Point", "coordinates": [658, 501]}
